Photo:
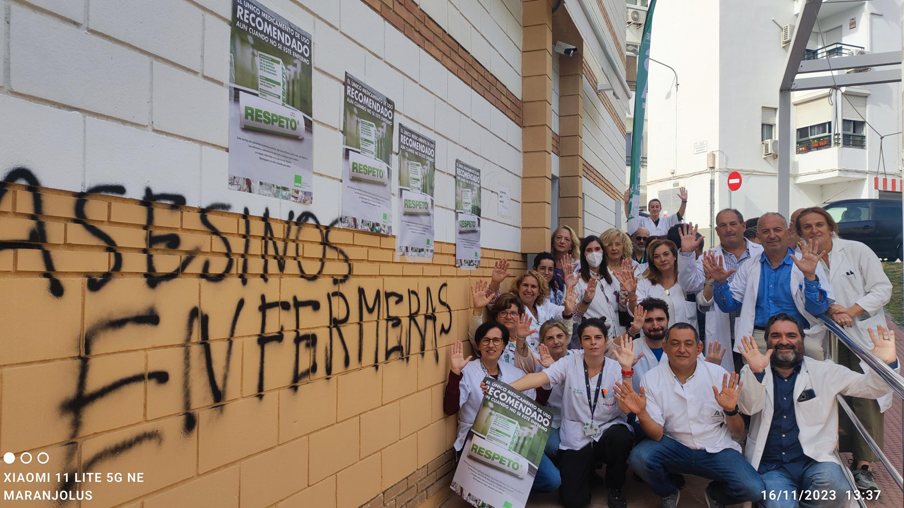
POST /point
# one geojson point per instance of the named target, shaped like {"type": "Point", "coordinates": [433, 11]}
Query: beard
{"type": "Point", "coordinates": [657, 335]}
{"type": "Point", "coordinates": [787, 358]}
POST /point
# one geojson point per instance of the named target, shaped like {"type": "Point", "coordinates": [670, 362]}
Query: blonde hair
{"type": "Point", "coordinates": [610, 235]}
{"type": "Point", "coordinates": [575, 242]}
{"type": "Point", "coordinates": [554, 323]}
{"type": "Point", "coordinates": [653, 274]}
{"type": "Point", "coordinates": [541, 283]}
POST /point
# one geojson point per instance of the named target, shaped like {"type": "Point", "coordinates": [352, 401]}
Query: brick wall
{"type": "Point", "coordinates": [234, 360]}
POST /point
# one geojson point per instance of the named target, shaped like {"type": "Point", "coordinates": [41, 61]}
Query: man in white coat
{"type": "Point", "coordinates": [655, 224]}
{"type": "Point", "coordinates": [862, 290]}
{"type": "Point", "coordinates": [794, 418]}
{"type": "Point", "coordinates": [735, 251]}
{"type": "Point", "coordinates": [779, 281]}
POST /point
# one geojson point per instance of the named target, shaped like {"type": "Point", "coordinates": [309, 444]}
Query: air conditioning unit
{"type": "Point", "coordinates": [787, 34]}
{"type": "Point", "coordinates": [636, 16]}
{"type": "Point", "coordinates": [770, 148]}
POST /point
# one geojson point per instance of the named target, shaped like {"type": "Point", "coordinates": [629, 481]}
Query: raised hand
{"type": "Point", "coordinates": [627, 194]}
{"type": "Point", "coordinates": [688, 234]}
{"type": "Point", "coordinates": [546, 359]}
{"type": "Point", "coordinates": [809, 259]}
{"type": "Point", "coordinates": [628, 400]}
{"type": "Point", "coordinates": [728, 397]}
{"type": "Point", "coordinates": [590, 292]}
{"type": "Point", "coordinates": [637, 323]}
{"type": "Point", "coordinates": [479, 296]}
{"type": "Point", "coordinates": [756, 360]}
{"type": "Point", "coordinates": [626, 278]}
{"type": "Point", "coordinates": [715, 352]}
{"type": "Point", "coordinates": [457, 361]}
{"type": "Point", "coordinates": [839, 314]}
{"type": "Point", "coordinates": [624, 352]}
{"type": "Point", "coordinates": [500, 271]}
{"type": "Point", "coordinates": [571, 298]}
{"type": "Point", "coordinates": [682, 194]}
{"type": "Point", "coordinates": [884, 344]}
{"type": "Point", "coordinates": [523, 328]}
{"type": "Point", "coordinates": [714, 269]}
{"type": "Point", "coordinates": [571, 280]}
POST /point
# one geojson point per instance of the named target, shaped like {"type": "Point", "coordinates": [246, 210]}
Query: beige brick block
{"type": "Point", "coordinates": [259, 228]}
{"type": "Point", "coordinates": [138, 263]}
{"type": "Point", "coordinates": [359, 483]}
{"type": "Point", "coordinates": [412, 270]}
{"type": "Point", "coordinates": [536, 190]}
{"type": "Point", "coordinates": [341, 236]}
{"type": "Point", "coordinates": [275, 474]}
{"type": "Point", "coordinates": [169, 398]}
{"type": "Point", "coordinates": [237, 246]}
{"type": "Point", "coordinates": [431, 442]}
{"type": "Point", "coordinates": [433, 368]}
{"type": "Point", "coordinates": [354, 253]}
{"type": "Point", "coordinates": [192, 220]}
{"type": "Point", "coordinates": [437, 393]}
{"type": "Point", "coordinates": [221, 301]}
{"type": "Point", "coordinates": [397, 297]}
{"type": "Point", "coordinates": [122, 237]}
{"type": "Point", "coordinates": [6, 261]}
{"type": "Point", "coordinates": [37, 412]}
{"type": "Point", "coordinates": [445, 248]}
{"type": "Point", "coordinates": [399, 379]}
{"type": "Point", "coordinates": [316, 250]}
{"type": "Point", "coordinates": [63, 261]}
{"type": "Point", "coordinates": [444, 259]}
{"type": "Point", "coordinates": [275, 354]}
{"type": "Point", "coordinates": [450, 271]}
{"type": "Point", "coordinates": [458, 294]}
{"type": "Point", "coordinates": [19, 230]}
{"type": "Point", "coordinates": [365, 240]}
{"type": "Point", "coordinates": [536, 215]}
{"type": "Point", "coordinates": [534, 239]}
{"type": "Point", "coordinates": [36, 325]}
{"type": "Point", "coordinates": [296, 417]}
{"type": "Point", "coordinates": [391, 269]}
{"type": "Point", "coordinates": [336, 268]}
{"type": "Point", "coordinates": [536, 164]}
{"type": "Point", "coordinates": [220, 489]}
{"type": "Point", "coordinates": [399, 461]}
{"type": "Point", "coordinates": [138, 214]}
{"type": "Point", "coordinates": [313, 315]}
{"type": "Point", "coordinates": [432, 271]}
{"type": "Point", "coordinates": [388, 242]}
{"type": "Point", "coordinates": [359, 391]}
{"type": "Point", "coordinates": [333, 449]}
{"type": "Point", "coordinates": [160, 450]}
{"type": "Point", "coordinates": [250, 266]}
{"type": "Point", "coordinates": [237, 430]}
{"type": "Point", "coordinates": [188, 242]}
{"type": "Point", "coordinates": [55, 205]}
{"type": "Point", "coordinates": [537, 89]}
{"type": "Point", "coordinates": [163, 312]}
{"type": "Point", "coordinates": [212, 265]}
{"type": "Point", "coordinates": [536, 63]}
{"type": "Point", "coordinates": [379, 428]}
{"type": "Point", "coordinates": [337, 351]}
{"type": "Point", "coordinates": [321, 495]}
{"type": "Point", "coordinates": [361, 295]}
{"type": "Point", "coordinates": [380, 255]}
{"type": "Point", "coordinates": [415, 413]}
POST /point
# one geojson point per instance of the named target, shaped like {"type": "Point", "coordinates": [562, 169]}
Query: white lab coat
{"type": "Point", "coordinates": [685, 311]}
{"type": "Point", "coordinates": [717, 322]}
{"type": "Point", "coordinates": [665, 223]}
{"type": "Point", "coordinates": [817, 418]}
{"type": "Point", "coordinates": [745, 287]}
{"type": "Point", "coordinates": [471, 396]}
{"type": "Point", "coordinates": [647, 363]}
{"type": "Point", "coordinates": [605, 303]}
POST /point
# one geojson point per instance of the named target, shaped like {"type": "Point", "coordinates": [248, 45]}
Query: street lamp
{"type": "Point", "coordinates": [667, 95]}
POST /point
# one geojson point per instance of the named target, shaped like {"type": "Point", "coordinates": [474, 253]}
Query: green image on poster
{"type": "Point", "coordinates": [417, 170]}
{"type": "Point", "coordinates": [467, 188]}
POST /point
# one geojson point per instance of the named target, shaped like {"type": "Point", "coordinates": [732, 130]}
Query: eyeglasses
{"type": "Point", "coordinates": [509, 313]}
{"type": "Point", "coordinates": [641, 239]}
{"type": "Point", "coordinates": [490, 341]}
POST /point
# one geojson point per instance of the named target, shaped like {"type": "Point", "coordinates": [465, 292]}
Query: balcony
{"type": "Point", "coordinates": [832, 51]}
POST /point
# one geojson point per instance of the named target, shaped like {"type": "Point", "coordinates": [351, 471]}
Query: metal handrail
{"type": "Point", "coordinates": [894, 380]}
{"type": "Point", "coordinates": [832, 50]}
{"type": "Point", "coordinates": [871, 442]}
{"type": "Point", "coordinates": [850, 478]}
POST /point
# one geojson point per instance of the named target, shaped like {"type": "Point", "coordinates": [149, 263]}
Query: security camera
{"type": "Point", "coordinates": [563, 48]}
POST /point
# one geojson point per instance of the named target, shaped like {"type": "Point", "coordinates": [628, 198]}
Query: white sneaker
{"type": "Point", "coordinates": [671, 501]}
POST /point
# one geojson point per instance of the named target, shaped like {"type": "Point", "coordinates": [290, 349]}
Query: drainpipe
{"type": "Point", "coordinates": [622, 82]}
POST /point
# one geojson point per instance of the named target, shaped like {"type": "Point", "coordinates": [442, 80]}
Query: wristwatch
{"type": "Point", "coordinates": [733, 411]}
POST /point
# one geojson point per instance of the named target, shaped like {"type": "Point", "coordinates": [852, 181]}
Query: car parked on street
{"type": "Point", "coordinates": [875, 222]}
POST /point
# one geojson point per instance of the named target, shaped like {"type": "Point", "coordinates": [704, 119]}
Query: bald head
{"type": "Point", "coordinates": [640, 239]}
{"type": "Point", "coordinates": [771, 230]}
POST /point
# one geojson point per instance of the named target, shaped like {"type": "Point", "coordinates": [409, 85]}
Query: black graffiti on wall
{"type": "Point", "coordinates": [397, 336]}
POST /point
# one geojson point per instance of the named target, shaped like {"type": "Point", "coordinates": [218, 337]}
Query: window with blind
{"type": "Point", "coordinates": [814, 120]}
{"type": "Point", "coordinates": [767, 129]}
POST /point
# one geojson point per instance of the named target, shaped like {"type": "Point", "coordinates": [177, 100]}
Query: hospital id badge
{"type": "Point", "coordinates": [591, 430]}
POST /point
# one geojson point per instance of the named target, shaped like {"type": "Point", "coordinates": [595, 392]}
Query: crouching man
{"type": "Point", "coordinates": [794, 418]}
{"type": "Point", "coordinates": [689, 422]}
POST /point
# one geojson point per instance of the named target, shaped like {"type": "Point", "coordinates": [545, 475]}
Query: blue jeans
{"type": "Point", "coordinates": [548, 478]}
{"type": "Point", "coordinates": [825, 480]}
{"type": "Point", "coordinates": [552, 445]}
{"type": "Point", "coordinates": [734, 479]}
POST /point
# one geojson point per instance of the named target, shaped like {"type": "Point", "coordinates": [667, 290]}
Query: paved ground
{"type": "Point", "coordinates": [639, 496]}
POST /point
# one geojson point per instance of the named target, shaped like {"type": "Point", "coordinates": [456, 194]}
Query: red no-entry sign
{"type": "Point", "coordinates": [734, 181]}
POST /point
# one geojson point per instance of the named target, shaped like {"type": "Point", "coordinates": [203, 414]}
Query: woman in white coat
{"type": "Point", "coordinates": [598, 288]}
{"type": "Point", "coordinates": [661, 281]}
{"type": "Point", "coordinates": [862, 290]}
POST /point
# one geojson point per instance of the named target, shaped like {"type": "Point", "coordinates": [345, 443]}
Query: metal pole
{"type": "Point", "coordinates": [784, 152]}
{"type": "Point", "coordinates": [712, 202]}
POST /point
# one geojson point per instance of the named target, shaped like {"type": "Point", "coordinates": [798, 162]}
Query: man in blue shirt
{"type": "Point", "coordinates": [777, 282]}
{"type": "Point", "coordinates": [794, 418]}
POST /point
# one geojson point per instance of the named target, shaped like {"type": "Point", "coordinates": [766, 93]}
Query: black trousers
{"type": "Point", "coordinates": [577, 468]}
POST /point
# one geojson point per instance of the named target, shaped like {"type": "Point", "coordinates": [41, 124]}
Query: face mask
{"type": "Point", "coordinates": [594, 259]}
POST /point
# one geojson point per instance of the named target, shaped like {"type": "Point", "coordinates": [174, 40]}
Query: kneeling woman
{"type": "Point", "coordinates": [593, 426]}
{"type": "Point", "coordinates": [464, 394]}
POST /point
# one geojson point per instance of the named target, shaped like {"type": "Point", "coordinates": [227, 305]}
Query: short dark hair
{"type": "Point", "coordinates": [683, 326]}
{"type": "Point", "coordinates": [651, 303]}
{"type": "Point", "coordinates": [505, 301]}
{"type": "Point", "coordinates": [599, 322]}
{"type": "Point", "coordinates": [541, 256]}
{"type": "Point", "coordinates": [654, 199]}
{"type": "Point", "coordinates": [486, 327]}
{"type": "Point", "coordinates": [674, 234]}
{"type": "Point", "coordinates": [750, 232]}
{"type": "Point", "coordinates": [784, 317]}
{"type": "Point", "coordinates": [736, 212]}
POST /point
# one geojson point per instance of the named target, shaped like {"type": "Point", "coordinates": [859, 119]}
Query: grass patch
{"type": "Point", "coordinates": [895, 307]}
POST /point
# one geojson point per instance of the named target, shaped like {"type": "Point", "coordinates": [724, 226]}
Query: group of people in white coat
{"type": "Point", "coordinates": [615, 344]}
